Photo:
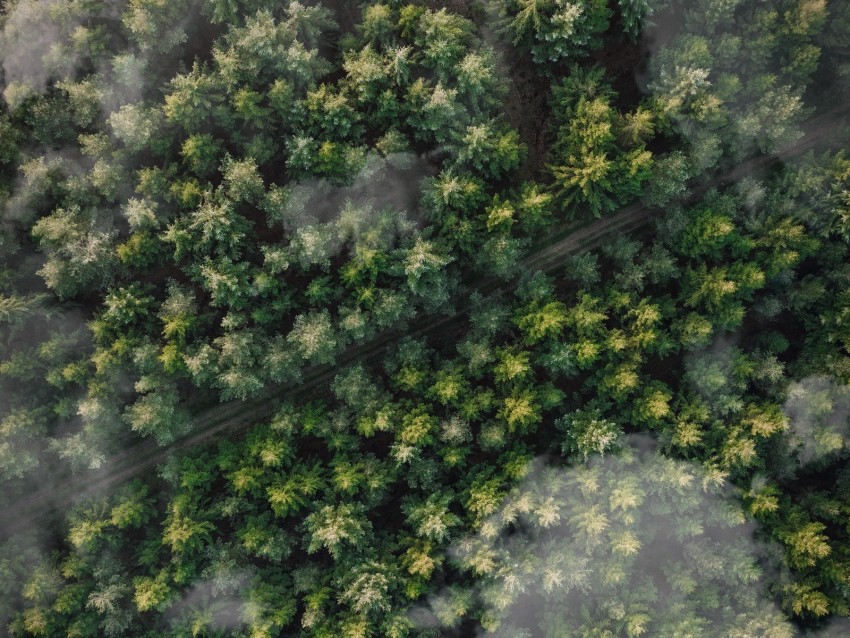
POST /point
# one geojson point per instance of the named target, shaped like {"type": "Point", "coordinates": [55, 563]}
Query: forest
{"type": "Point", "coordinates": [409, 318]}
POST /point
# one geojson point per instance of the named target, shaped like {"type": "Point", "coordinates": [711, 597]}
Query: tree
{"type": "Point", "coordinates": [292, 494]}
{"type": "Point", "coordinates": [490, 151]}
{"type": "Point", "coordinates": [85, 99]}
{"type": "Point", "coordinates": [237, 363]}
{"type": "Point", "coordinates": [534, 206]}
{"type": "Point", "coordinates": [79, 247]}
{"type": "Point", "coordinates": [587, 432]}
{"type": "Point", "coordinates": [266, 49]}
{"type": "Point", "coordinates": [709, 288]}
{"type": "Point", "coordinates": [709, 233]}
{"type": "Point", "coordinates": [225, 281]}
{"type": "Point", "coordinates": [332, 526]}
{"type": "Point", "coordinates": [443, 38]}
{"type": "Point", "coordinates": [200, 152]}
{"type": "Point", "coordinates": [694, 330]}
{"type": "Point", "coordinates": [485, 496]}
{"type": "Point", "coordinates": [539, 321]}
{"type": "Point", "coordinates": [178, 314]}
{"type": "Point", "coordinates": [368, 73]}
{"type": "Point", "coordinates": [156, 25]}
{"type": "Point", "coordinates": [422, 265]}
{"type": "Point", "coordinates": [450, 199]}
{"type": "Point", "coordinates": [313, 336]}
{"type": "Point", "coordinates": [635, 13]}
{"type": "Point", "coordinates": [132, 507]}
{"type": "Point", "coordinates": [368, 589]}
{"type": "Point", "coordinates": [555, 29]}
{"type": "Point", "coordinates": [432, 519]}
{"type": "Point", "coordinates": [591, 167]}
{"type": "Point", "coordinates": [391, 308]}
{"type": "Point", "coordinates": [137, 126]}
{"type": "Point", "coordinates": [329, 115]}
{"type": "Point", "coordinates": [213, 228]}
{"type": "Point", "coordinates": [242, 180]}
{"type": "Point", "coordinates": [434, 114]}
{"type": "Point", "coordinates": [653, 407]}
{"type": "Point", "coordinates": [195, 99]}
{"type": "Point", "coordinates": [478, 80]}
{"type": "Point", "coordinates": [158, 414]}
{"type": "Point", "coordinates": [667, 179]}
{"type": "Point", "coordinates": [185, 528]}
{"type": "Point", "coordinates": [521, 410]}
{"type": "Point", "coordinates": [500, 256]}
{"type": "Point", "coordinates": [357, 389]}
{"type": "Point", "coordinates": [152, 593]}
{"type": "Point", "coordinates": [513, 365]}
{"type": "Point", "coordinates": [378, 24]}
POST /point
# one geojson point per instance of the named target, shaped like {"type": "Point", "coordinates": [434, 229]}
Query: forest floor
{"type": "Point", "coordinates": [232, 418]}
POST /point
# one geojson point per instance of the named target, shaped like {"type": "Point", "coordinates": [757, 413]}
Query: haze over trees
{"type": "Point", "coordinates": [521, 295]}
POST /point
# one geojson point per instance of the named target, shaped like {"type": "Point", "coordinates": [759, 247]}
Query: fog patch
{"type": "Point", "coordinates": [36, 178]}
{"type": "Point", "coordinates": [722, 100]}
{"type": "Point", "coordinates": [818, 410]}
{"type": "Point", "coordinates": [712, 376]}
{"type": "Point", "coordinates": [833, 628]}
{"type": "Point", "coordinates": [214, 603]}
{"type": "Point", "coordinates": [37, 45]}
{"type": "Point", "coordinates": [20, 556]}
{"type": "Point", "coordinates": [393, 182]}
{"type": "Point", "coordinates": [375, 211]}
{"type": "Point", "coordinates": [634, 544]}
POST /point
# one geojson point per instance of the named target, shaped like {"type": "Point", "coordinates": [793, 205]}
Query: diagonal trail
{"type": "Point", "coordinates": [236, 416]}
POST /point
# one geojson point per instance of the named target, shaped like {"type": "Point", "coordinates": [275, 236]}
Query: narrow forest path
{"type": "Point", "coordinates": [236, 416]}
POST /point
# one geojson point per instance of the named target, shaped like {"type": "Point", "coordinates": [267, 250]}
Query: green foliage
{"type": "Point", "coordinates": [227, 204]}
{"type": "Point", "coordinates": [587, 433]}
{"type": "Point", "coordinates": [555, 29]}
{"type": "Point", "coordinates": [159, 414]}
{"type": "Point", "coordinates": [79, 245]}
{"type": "Point", "coordinates": [741, 93]}
{"type": "Point", "coordinates": [330, 527]}
{"type": "Point", "coordinates": [599, 159]}
{"type": "Point", "coordinates": [490, 152]}
{"type": "Point", "coordinates": [155, 25]}
{"type": "Point", "coordinates": [635, 13]}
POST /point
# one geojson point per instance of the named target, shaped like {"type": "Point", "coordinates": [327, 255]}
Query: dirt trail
{"type": "Point", "coordinates": [236, 416]}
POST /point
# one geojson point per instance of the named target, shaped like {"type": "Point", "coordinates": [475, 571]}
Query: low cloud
{"type": "Point", "coordinates": [818, 412]}
{"type": "Point", "coordinates": [378, 207]}
{"type": "Point", "coordinates": [635, 544]}
{"type": "Point", "coordinates": [215, 602]}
